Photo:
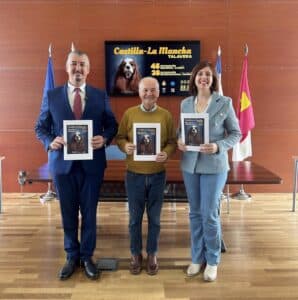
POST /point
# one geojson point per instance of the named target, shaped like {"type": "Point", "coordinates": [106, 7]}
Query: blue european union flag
{"type": "Point", "coordinates": [49, 81]}
{"type": "Point", "coordinates": [48, 85]}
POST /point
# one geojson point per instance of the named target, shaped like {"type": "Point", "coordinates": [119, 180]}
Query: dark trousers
{"type": "Point", "coordinates": [78, 192]}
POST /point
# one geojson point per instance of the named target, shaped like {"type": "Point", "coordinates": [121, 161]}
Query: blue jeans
{"type": "Point", "coordinates": [144, 190]}
{"type": "Point", "coordinates": [203, 193]}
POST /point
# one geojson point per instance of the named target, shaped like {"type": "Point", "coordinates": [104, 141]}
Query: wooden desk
{"type": "Point", "coordinates": [113, 189]}
{"type": "Point", "coordinates": [243, 172]}
{"type": "Point", "coordinates": [247, 172]}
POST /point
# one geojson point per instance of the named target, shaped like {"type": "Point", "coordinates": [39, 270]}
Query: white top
{"type": "Point", "coordinates": [196, 102]}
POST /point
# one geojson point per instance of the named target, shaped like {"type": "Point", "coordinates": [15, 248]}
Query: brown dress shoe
{"type": "Point", "coordinates": [135, 267]}
{"type": "Point", "coordinates": [152, 265]}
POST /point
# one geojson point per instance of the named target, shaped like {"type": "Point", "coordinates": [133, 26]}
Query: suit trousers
{"type": "Point", "coordinates": [79, 192]}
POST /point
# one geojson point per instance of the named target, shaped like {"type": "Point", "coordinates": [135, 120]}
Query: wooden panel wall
{"type": "Point", "coordinates": [269, 27]}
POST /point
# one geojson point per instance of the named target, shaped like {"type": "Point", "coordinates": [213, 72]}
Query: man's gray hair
{"type": "Point", "coordinates": [149, 77]}
{"type": "Point", "coordinates": [79, 53]}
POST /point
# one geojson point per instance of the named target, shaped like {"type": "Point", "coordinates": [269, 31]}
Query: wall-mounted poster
{"type": "Point", "coordinates": [77, 134]}
{"type": "Point", "coordinates": [146, 137]}
{"type": "Point", "coordinates": [170, 62]}
{"type": "Point", "coordinates": [194, 130]}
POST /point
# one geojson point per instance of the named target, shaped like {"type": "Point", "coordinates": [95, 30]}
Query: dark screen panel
{"type": "Point", "coordinates": [170, 62]}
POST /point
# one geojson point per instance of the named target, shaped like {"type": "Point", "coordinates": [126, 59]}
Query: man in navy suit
{"type": "Point", "coordinates": [77, 182]}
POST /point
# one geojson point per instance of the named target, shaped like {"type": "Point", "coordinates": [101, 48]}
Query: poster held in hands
{"type": "Point", "coordinates": [194, 130]}
{"type": "Point", "coordinates": [78, 134]}
{"type": "Point", "coordinates": [146, 137]}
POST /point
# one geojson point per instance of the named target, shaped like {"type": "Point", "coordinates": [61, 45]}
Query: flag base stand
{"type": "Point", "coordinates": [223, 196]}
{"type": "Point", "coordinates": [223, 246]}
{"type": "Point", "coordinates": [48, 196]}
{"type": "Point", "coordinates": [241, 195]}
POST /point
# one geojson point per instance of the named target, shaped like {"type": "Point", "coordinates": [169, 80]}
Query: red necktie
{"type": "Point", "coordinates": [77, 104]}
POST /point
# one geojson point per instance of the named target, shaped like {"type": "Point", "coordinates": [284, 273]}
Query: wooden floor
{"type": "Point", "coordinates": [261, 262]}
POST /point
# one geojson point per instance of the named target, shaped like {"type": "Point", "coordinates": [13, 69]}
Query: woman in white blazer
{"type": "Point", "coordinates": [205, 172]}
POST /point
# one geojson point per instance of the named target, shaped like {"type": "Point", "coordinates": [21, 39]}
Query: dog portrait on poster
{"type": "Point", "coordinates": [194, 137]}
{"type": "Point", "coordinates": [146, 145]}
{"type": "Point", "coordinates": [127, 77]}
{"type": "Point", "coordinates": [77, 144]}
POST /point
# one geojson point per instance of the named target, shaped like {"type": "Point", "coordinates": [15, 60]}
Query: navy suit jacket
{"type": "Point", "coordinates": [55, 108]}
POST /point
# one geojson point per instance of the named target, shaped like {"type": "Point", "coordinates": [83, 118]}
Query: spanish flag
{"type": "Point", "coordinates": [246, 118]}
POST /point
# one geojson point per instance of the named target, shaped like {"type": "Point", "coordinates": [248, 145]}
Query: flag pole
{"type": "Point", "coordinates": [49, 84]}
{"type": "Point", "coordinates": [72, 47]}
{"type": "Point", "coordinates": [245, 50]}
{"type": "Point", "coordinates": [50, 50]}
{"type": "Point", "coordinates": [241, 194]}
{"type": "Point", "coordinates": [218, 70]}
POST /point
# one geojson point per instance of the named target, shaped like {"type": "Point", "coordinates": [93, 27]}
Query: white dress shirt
{"type": "Point", "coordinates": [71, 93]}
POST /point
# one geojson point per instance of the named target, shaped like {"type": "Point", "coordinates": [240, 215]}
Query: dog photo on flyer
{"type": "Point", "coordinates": [194, 130]}
{"type": "Point", "coordinates": [77, 135]}
{"type": "Point", "coordinates": [147, 141]}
